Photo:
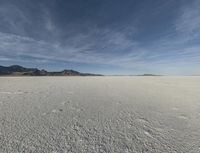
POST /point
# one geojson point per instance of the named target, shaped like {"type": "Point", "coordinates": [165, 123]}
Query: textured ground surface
{"type": "Point", "coordinates": [100, 114]}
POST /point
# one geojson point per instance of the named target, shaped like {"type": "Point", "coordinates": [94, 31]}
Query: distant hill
{"type": "Point", "coordinates": [16, 70]}
{"type": "Point", "coordinates": [149, 75]}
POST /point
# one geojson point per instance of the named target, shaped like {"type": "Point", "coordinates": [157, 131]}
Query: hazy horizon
{"type": "Point", "coordinates": [106, 37]}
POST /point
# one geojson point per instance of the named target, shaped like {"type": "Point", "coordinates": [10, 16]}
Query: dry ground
{"type": "Point", "coordinates": [100, 114]}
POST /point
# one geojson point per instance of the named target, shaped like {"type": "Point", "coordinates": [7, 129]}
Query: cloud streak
{"type": "Point", "coordinates": [188, 24]}
{"type": "Point", "coordinates": [122, 45]}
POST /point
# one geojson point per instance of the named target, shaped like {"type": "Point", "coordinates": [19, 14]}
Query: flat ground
{"type": "Point", "coordinates": [100, 114]}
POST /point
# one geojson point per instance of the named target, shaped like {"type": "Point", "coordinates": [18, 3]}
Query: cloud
{"type": "Point", "coordinates": [98, 46]}
{"type": "Point", "coordinates": [188, 23]}
{"type": "Point", "coordinates": [23, 39]}
{"type": "Point", "coordinates": [13, 19]}
{"type": "Point", "coordinates": [83, 41]}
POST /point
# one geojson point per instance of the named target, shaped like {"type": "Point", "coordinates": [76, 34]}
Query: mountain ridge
{"type": "Point", "coordinates": [17, 70]}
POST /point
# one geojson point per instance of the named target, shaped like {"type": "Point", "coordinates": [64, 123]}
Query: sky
{"type": "Point", "coordinates": [102, 36]}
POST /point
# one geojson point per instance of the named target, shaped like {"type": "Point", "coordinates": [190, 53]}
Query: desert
{"type": "Point", "coordinates": [100, 114]}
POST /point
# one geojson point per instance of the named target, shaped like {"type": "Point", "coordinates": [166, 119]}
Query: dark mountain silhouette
{"type": "Point", "coordinates": [16, 70]}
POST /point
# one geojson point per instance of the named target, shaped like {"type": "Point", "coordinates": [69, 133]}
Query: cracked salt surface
{"type": "Point", "coordinates": [100, 114]}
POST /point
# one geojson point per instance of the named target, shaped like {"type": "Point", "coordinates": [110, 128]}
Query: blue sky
{"type": "Point", "coordinates": [102, 36]}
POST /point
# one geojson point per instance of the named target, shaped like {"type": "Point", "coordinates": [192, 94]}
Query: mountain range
{"type": "Point", "coordinates": [17, 70]}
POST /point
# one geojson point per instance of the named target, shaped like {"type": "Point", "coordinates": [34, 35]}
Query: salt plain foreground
{"type": "Point", "coordinates": [100, 114]}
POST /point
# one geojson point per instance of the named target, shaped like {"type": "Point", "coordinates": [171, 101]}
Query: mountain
{"type": "Point", "coordinates": [16, 70]}
{"type": "Point", "coordinates": [149, 75]}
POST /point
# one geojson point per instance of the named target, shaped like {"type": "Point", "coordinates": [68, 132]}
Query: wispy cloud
{"type": "Point", "coordinates": [88, 48]}
{"type": "Point", "coordinates": [188, 24]}
{"type": "Point", "coordinates": [13, 19]}
{"type": "Point", "coordinates": [48, 41]}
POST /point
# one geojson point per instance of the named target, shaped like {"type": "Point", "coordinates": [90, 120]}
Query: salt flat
{"type": "Point", "coordinates": [100, 114]}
